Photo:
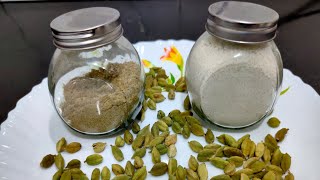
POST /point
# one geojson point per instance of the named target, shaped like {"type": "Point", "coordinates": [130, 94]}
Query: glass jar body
{"type": "Point", "coordinates": [97, 90]}
{"type": "Point", "coordinates": [231, 84]}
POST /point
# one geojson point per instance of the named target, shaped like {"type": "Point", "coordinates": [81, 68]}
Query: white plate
{"type": "Point", "coordinates": [33, 127]}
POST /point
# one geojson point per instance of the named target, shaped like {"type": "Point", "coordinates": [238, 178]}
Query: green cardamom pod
{"type": "Point", "coordinates": [202, 171]}
{"type": "Point", "coordinates": [205, 154]}
{"type": "Point", "coordinates": [195, 146]}
{"type": "Point", "coordinates": [274, 122]}
{"type": "Point", "coordinates": [59, 161]}
{"type": "Point", "coordinates": [240, 140]}
{"type": "Point", "coordinates": [138, 162]}
{"type": "Point", "coordinates": [246, 147]}
{"type": "Point", "coordinates": [181, 173]}
{"type": "Point", "coordinates": [149, 80]}
{"type": "Point", "coordinates": [257, 166]}
{"type": "Point", "coordinates": [157, 97]}
{"type": "Point", "coordinates": [66, 175]}
{"type": "Point", "coordinates": [176, 128]}
{"type": "Point", "coordinates": [252, 149]}
{"type": "Point", "coordinates": [105, 173]}
{"type": "Point", "coordinates": [57, 175]}
{"type": "Point", "coordinates": [171, 94]}
{"type": "Point", "coordinates": [259, 175]}
{"type": "Point", "coordinates": [286, 162]}
{"type": "Point", "coordinates": [162, 82]}
{"type": "Point", "coordinates": [117, 169]}
{"type": "Point", "coordinates": [148, 138]}
{"type": "Point", "coordinates": [191, 175]}
{"type": "Point", "coordinates": [129, 169]}
{"type": "Point", "coordinates": [250, 161]}
{"type": "Point", "coordinates": [74, 163]}
{"type": "Point", "coordinates": [163, 149]}
{"type": "Point", "coordinates": [246, 171]}
{"type": "Point", "coordinates": [156, 157]}
{"type": "Point", "coordinates": [274, 168]}
{"type": "Point", "coordinates": [172, 166]}
{"type": "Point", "coordinates": [73, 147]}
{"type": "Point", "coordinates": [193, 163]}
{"type": "Point", "coordinates": [182, 87]}
{"type": "Point", "coordinates": [117, 153]}
{"type": "Point", "coordinates": [212, 146]}
{"type": "Point", "coordinates": [260, 148]}
{"type": "Point", "coordinates": [151, 104]}
{"type": "Point", "coordinates": [167, 120]}
{"type": "Point", "coordinates": [229, 169]}
{"type": "Point", "coordinates": [145, 130]}
{"type": "Point", "coordinates": [119, 141]}
{"type": "Point", "coordinates": [266, 155]}
{"type": "Point", "coordinates": [156, 141]}
{"type": "Point", "coordinates": [271, 143]}
{"type": "Point", "coordinates": [289, 176]}
{"type": "Point", "coordinates": [218, 162]}
{"type": "Point", "coordinates": [135, 127]}
{"type": "Point", "coordinates": [269, 176]}
{"type": "Point", "coordinates": [179, 119]}
{"type": "Point", "coordinates": [222, 139]}
{"type": "Point", "coordinates": [244, 177]}
{"type": "Point", "coordinates": [281, 134]}
{"type": "Point", "coordinates": [192, 120]}
{"type": "Point", "coordinates": [94, 159]}
{"type": "Point", "coordinates": [196, 130]}
{"type": "Point", "coordinates": [186, 103]}
{"type": "Point", "coordinates": [186, 113]}
{"type": "Point", "coordinates": [99, 147]}
{"type": "Point", "coordinates": [141, 174]}
{"type": "Point", "coordinates": [172, 151]}
{"type": "Point", "coordinates": [138, 142]}
{"type": "Point", "coordinates": [236, 160]}
{"type": "Point", "coordinates": [128, 137]}
{"type": "Point", "coordinates": [221, 177]}
{"type": "Point", "coordinates": [186, 131]}
{"type": "Point", "coordinates": [141, 152]}
{"type": "Point", "coordinates": [169, 87]}
{"type": "Point", "coordinates": [171, 139]}
{"type": "Point", "coordinates": [172, 177]}
{"type": "Point", "coordinates": [95, 175]}
{"type": "Point", "coordinates": [276, 157]}
{"type": "Point", "coordinates": [47, 161]}
{"type": "Point", "coordinates": [174, 112]}
{"type": "Point", "coordinates": [209, 137]}
{"type": "Point", "coordinates": [122, 177]}
{"type": "Point", "coordinates": [162, 126]}
{"type": "Point", "coordinates": [231, 151]}
{"type": "Point", "coordinates": [160, 114]}
{"type": "Point", "coordinates": [155, 130]}
{"type": "Point", "coordinates": [159, 169]}
{"type": "Point", "coordinates": [61, 144]}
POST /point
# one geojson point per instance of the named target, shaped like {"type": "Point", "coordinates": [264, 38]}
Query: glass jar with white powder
{"type": "Point", "coordinates": [234, 70]}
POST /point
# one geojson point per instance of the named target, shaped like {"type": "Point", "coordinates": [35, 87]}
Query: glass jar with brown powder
{"type": "Point", "coordinates": [95, 76]}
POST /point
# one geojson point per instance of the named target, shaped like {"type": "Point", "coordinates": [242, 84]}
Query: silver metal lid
{"type": "Point", "coordinates": [242, 22]}
{"type": "Point", "coordinates": [86, 28]}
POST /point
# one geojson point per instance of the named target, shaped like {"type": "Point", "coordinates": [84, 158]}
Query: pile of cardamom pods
{"type": "Point", "coordinates": [240, 159]}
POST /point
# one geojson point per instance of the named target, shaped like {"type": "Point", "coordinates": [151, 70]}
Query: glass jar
{"type": "Point", "coordinates": [234, 70]}
{"type": "Point", "coordinates": [95, 76]}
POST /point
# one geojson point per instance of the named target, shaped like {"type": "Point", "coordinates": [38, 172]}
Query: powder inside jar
{"type": "Point", "coordinates": [103, 99]}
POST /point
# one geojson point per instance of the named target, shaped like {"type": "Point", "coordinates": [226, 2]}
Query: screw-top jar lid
{"type": "Point", "coordinates": [86, 28]}
{"type": "Point", "coordinates": [242, 22]}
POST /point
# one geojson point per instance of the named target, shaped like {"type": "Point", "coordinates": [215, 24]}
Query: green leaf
{"type": "Point", "coordinates": [173, 80]}
{"type": "Point", "coordinates": [284, 91]}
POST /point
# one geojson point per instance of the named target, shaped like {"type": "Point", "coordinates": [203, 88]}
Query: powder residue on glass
{"type": "Point", "coordinates": [102, 99]}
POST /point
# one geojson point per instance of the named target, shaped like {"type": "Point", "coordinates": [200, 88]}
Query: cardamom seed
{"type": "Point", "coordinates": [95, 175]}
{"type": "Point", "coordinates": [244, 177]}
{"type": "Point", "coordinates": [47, 161]}
{"type": "Point", "coordinates": [57, 175]}
{"type": "Point", "coordinates": [141, 174]}
{"type": "Point", "coordinates": [160, 114]}
{"type": "Point", "coordinates": [205, 154]}
{"type": "Point", "coordinates": [129, 169]}
{"type": "Point", "coordinates": [94, 159]}
{"type": "Point", "coordinates": [192, 120]}
{"type": "Point", "coordinates": [229, 169]}
{"type": "Point", "coordinates": [289, 176]}
{"type": "Point", "coordinates": [119, 141]}
{"type": "Point", "coordinates": [66, 175]}
{"type": "Point", "coordinates": [73, 147]}
{"type": "Point", "coordinates": [156, 157]}
{"type": "Point", "coordinates": [167, 120]}
{"type": "Point", "coordinates": [286, 162]}
{"type": "Point", "coordinates": [231, 151]}
{"type": "Point", "coordinates": [135, 127]}
{"type": "Point", "coordinates": [274, 122]}
{"type": "Point", "coordinates": [276, 157]}
{"type": "Point", "coordinates": [99, 147]}
{"type": "Point", "coordinates": [122, 177]}
{"type": "Point", "coordinates": [236, 160]}
{"type": "Point", "coordinates": [193, 163]}
{"type": "Point", "coordinates": [171, 139]}
{"type": "Point", "coordinates": [162, 126]}
{"type": "Point", "coordinates": [155, 130]}
{"type": "Point", "coordinates": [191, 175]}
{"type": "Point", "coordinates": [59, 161]}
{"type": "Point", "coordinates": [186, 103]}
{"type": "Point", "coordinates": [172, 151]}
{"type": "Point", "coordinates": [202, 171]}
{"type": "Point", "coordinates": [105, 173]}
{"type": "Point", "coordinates": [281, 134]}
{"type": "Point", "coordinates": [176, 128]}
{"type": "Point", "coordinates": [221, 177]}
{"type": "Point", "coordinates": [159, 169]}
{"type": "Point", "coordinates": [128, 137]}
{"type": "Point", "coordinates": [197, 130]}
{"type": "Point", "coordinates": [260, 148]}
{"type": "Point", "coordinates": [181, 173]}
{"type": "Point", "coordinates": [151, 104]}
{"type": "Point", "coordinates": [274, 168]}
{"type": "Point", "coordinates": [117, 153]}
{"type": "Point", "coordinates": [117, 169]}
{"type": "Point", "coordinates": [186, 131]}
{"type": "Point", "coordinates": [61, 144]}
{"type": "Point", "coordinates": [195, 146]}
{"type": "Point", "coordinates": [74, 163]}
{"type": "Point", "coordinates": [218, 162]}
{"type": "Point", "coordinates": [209, 137]}
{"type": "Point", "coordinates": [163, 149]}
{"type": "Point", "coordinates": [138, 142]}
{"type": "Point", "coordinates": [171, 94]}
{"type": "Point", "coordinates": [138, 162]}
{"type": "Point", "coordinates": [269, 176]}
{"type": "Point", "coordinates": [172, 166]}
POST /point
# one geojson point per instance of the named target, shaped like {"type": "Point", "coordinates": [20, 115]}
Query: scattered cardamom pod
{"type": "Point", "coordinates": [129, 169]}
{"type": "Point", "coordinates": [192, 120]}
{"type": "Point", "coordinates": [186, 103]}
{"type": "Point", "coordinates": [145, 130]}
{"type": "Point", "coordinates": [179, 119]}
{"type": "Point", "coordinates": [47, 161]}
{"type": "Point", "coordinates": [274, 168]}
{"type": "Point", "coordinates": [176, 128]}
{"type": "Point", "coordinates": [240, 140]}
{"type": "Point", "coordinates": [191, 175]}
{"type": "Point", "coordinates": [140, 174]}
{"type": "Point", "coordinates": [167, 120]}
{"type": "Point", "coordinates": [289, 176]}
{"type": "Point", "coordinates": [221, 177]}
{"type": "Point", "coordinates": [157, 97]}
{"type": "Point", "coordinates": [163, 149]}
{"type": "Point", "coordinates": [246, 171]}
{"type": "Point", "coordinates": [99, 147]}
{"type": "Point", "coordinates": [95, 175]}
{"type": "Point", "coordinates": [267, 155]}
{"type": "Point", "coordinates": [246, 147]}
{"type": "Point", "coordinates": [202, 171]}
{"type": "Point", "coordinates": [276, 157]}
{"type": "Point", "coordinates": [250, 161]}
{"type": "Point", "coordinates": [160, 114]}
{"type": "Point", "coordinates": [138, 142]}
{"type": "Point", "coordinates": [159, 169]}
{"type": "Point", "coordinates": [148, 82]}
{"type": "Point", "coordinates": [274, 122]}
{"type": "Point", "coordinates": [269, 176]}
{"type": "Point", "coordinates": [193, 163]}
{"type": "Point", "coordinates": [162, 126]}
{"type": "Point", "coordinates": [117, 169]}
{"type": "Point", "coordinates": [155, 130]}
{"type": "Point", "coordinates": [230, 141]}
{"type": "Point", "coordinates": [117, 153]}
{"type": "Point", "coordinates": [195, 146]}
{"type": "Point", "coordinates": [172, 166]}
{"type": "Point", "coordinates": [174, 113]}
{"type": "Point", "coordinates": [122, 177]}
{"type": "Point", "coordinates": [128, 137]}
{"type": "Point", "coordinates": [138, 162]}
{"type": "Point", "coordinates": [257, 166]}
{"type": "Point", "coordinates": [172, 177]}
{"type": "Point", "coordinates": [236, 160]}
{"type": "Point", "coordinates": [74, 163]}
{"type": "Point", "coordinates": [181, 173]}
{"type": "Point", "coordinates": [156, 157]}
{"type": "Point", "coordinates": [285, 162]}
{"type": "Point", "coordinates": [229, 169]}
{"type": "Point", "coordinates": [197, 130]}
{"type": "Point", "coordinates": [151, 104]}
{"type": "Point", "coordinates": [182, 87]}
{"type": "Point", "coordinates": [57, 175]}
{"type": "Point", "coordinates": [94, 159]}
{"type": "Point", "coordinates": [244, 177]}
{"type": "Point", "coordinates": [61, 144]}
{"type": "Point", "coordinates": [148, 138]}
{"type": "Point", "coordinates": [59, 161]}
{"type": "Point", "coordinates": [135, 127]}
{"type": "Point", "coordinates": [271, 143]}
{"type": "Point", "coordinates": [172, 151]}
{"type": "Point", "coordinates": [186, 131]}
{"type": "Point", "coordinates": [171, 94]}
{"type": "Point", "coordinates": [218, 162]}
{"type": "Point", "coordinates": [171, 139]}
{"type": "Point", "coordinates": [231, 151]}
{"type": "Point", "coordinates": [105, 173]}
{"type": "Point", "coordinates": [73, 147]}
{"type": "Point", "coordinates": [260, 148]}
{"type": "Point", "coordinates": [281, 134]}
{"type": "Point", "coordinates": [156, 141]}
{"type": "Point", "coordinates": [205, 154]}
{"type": "Point", "coordinates": [170, 87]}
{"type": "Point", "coordinates": [119, 141]}
{"type": "Point", "coordinates": [209, 137]}
{"type": "Point", "coordinates": [66, 175]}
{"type": "Point", "coordinates": [219, 152]}
{"type": "Point", "coordinates": [141, 152]}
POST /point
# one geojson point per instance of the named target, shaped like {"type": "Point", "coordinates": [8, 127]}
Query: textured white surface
{"type": "Point", "coordinates": [33, 127]}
